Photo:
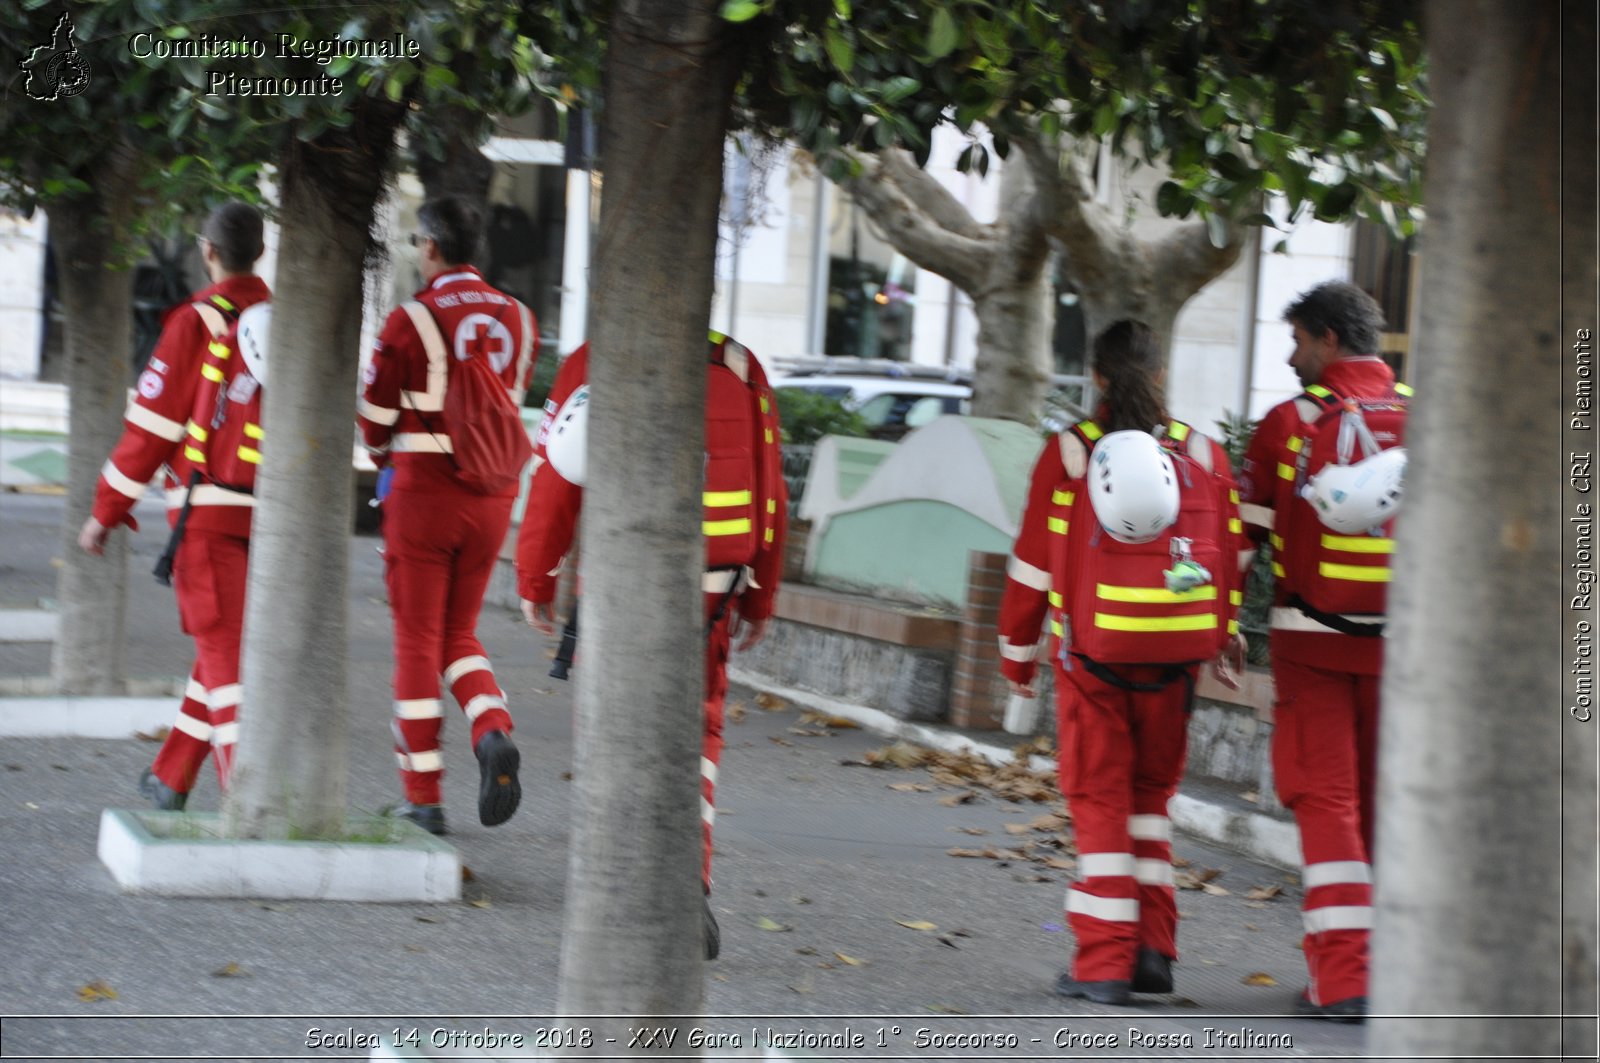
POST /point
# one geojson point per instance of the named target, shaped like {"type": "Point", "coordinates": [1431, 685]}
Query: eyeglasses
{"type": "Point", "coordinates": [418, 239]}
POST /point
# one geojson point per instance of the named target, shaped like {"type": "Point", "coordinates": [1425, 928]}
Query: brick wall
{"type": "Point", "coordinates": [978, 693]}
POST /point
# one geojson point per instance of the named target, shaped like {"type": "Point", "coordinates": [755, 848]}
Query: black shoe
{"type": "Point", "coordinates": [1348, 1010]}
{"type": "Point", "coordinates": [429, 817]}
{"type": "Point", "coordinates": [1152, 972]}
{"type": "Point", "coordinates": [1112, 992]}
{"type": "Point", "coordinates": [499, 792]}
{"type": "Point", "coordinates": [713, 932]}
{"type": "Point", "coordinates": [160, 794]}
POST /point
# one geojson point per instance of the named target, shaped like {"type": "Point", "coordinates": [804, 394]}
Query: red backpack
{"type": "Point", "coordinates": [488, 441]}
{"type": "Point", "coordinates": [743, 458]}
{"type": "Point", "coordinates": [1120, 610]}
{"type": "Point", "coordinates": [1327, 575]}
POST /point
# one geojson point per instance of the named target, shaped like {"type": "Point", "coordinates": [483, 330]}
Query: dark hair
{"type": "Point", "coordinates": [1353, 316]}
{"type": "Point", "coordinates": [234, 231]}
{"type": "Point", "coordinates": [452, 223]}
{"type": "Point", "coordinates": [1128, 355]}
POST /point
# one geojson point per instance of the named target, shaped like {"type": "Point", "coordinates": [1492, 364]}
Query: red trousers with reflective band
{"type": "Point", "coordinates": [439, 550]}
{"type": "Point", "coordinates": [209, 574]}
{"type": "Point", "coordinates": [1120, 758]}
{"type": "Point", "coordinates": [1324, 757]}
{"type": "Point", "coordinates": [717, 646]}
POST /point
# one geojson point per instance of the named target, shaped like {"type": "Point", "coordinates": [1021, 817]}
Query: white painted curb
{"type": "Point", "coordinates": [176, 854]}
{"type": "Point", "coordinates": [84, 717]}
{"type": "Point", "coordinates": [1255, 833]}
{"type": "Point", "coordinates": [28, 625]}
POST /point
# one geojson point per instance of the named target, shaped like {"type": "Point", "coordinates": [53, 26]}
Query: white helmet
{"type": "Point", "coordinates": [254, 329]}
{"type": "Point", "coordinates": [1132, 486]}
{"type": "Point", "coordinates": [1355, 498]}
{"type": "Point", "coordinates": [567, 444]}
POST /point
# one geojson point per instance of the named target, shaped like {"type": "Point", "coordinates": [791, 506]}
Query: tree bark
{"type": "Point", "coordinates": [92, 592]}
{"type": "Point", "coordinates": [1470, 862]}
{"type": "Point", "coordinates": [633, 946]}
{"type": "Point", "coordinates": [1015, 309]}
{"type": "Point", "coordinates": [289, 779]}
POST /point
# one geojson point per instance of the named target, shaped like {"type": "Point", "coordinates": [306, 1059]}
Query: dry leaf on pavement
{"type": "Point", "coordinates": [958, 799]}
{"type": "Point", "coordinates": [970, 852]}
{"type": "Point", "coordinates": [826, 719]}
{"type": "Point", "coordinates": [911, 787]}
{"type": "Point", "coordinates": [917, 924]}
{"type": "Point", "coordinates": [1019, 828]}
{"type": "Point", "coordinates": [480, 903]}
{"type": "Point", "coordinates": [736, 712]}
{"type": "Point", "coordinates": [772, 924]}
{"type": "Point", "coordinates": [769, 702]}
{"type": "Point", "coordinates": [851, 960]}
{"type": "Point", "coordinates": [232, 970]}
{"type": "Point", "coordinates": [1260, 978]}
{"type": "Point", "coordinates": [1215, 890]}
{"type": "Point", "coordinates": [1263, 893]}
{"type": "Point", "coordinates": [971, 830]}
{"type": "Point", "coordinates": [96, 991]}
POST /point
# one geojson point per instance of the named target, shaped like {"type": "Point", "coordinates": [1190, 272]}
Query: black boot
{"type": "Point", "coordinates": [160, 794]}
{"type": "Point", "coordinates": [712, 931]}
{"type": "Point", "coordinates": [429, 817]}
{"type": "Point", "coordinates": [499, 792]}
{"type": "Point", "coordinates": [1152, 972]}
{"type": "Point", "coordinates": [1349, 1010]}
{"type": "Point", "coordinates": [1111, 992]}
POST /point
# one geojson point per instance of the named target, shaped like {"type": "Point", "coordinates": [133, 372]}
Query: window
{"type": "Point", "coordinates": [871, 289]}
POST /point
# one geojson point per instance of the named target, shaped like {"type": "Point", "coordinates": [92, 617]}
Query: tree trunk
{"type": "Point", "coordinates": [1015, 309]}
{"type": "Point", "coordinates": [633, 945]}
{"type": "Point", "coordinates": [290, 776]}
{"type": "Point", "coordinates": [92, 592]}
{"type": "Point", "coordinates": [1470, 862]}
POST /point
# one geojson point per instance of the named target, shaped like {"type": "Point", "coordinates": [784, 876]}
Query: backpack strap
{"type": "Point", "coordinates": [1196, 444]}
{"type": "Point", "coordinates": [1076, 443]}
{"type": "Point", "coordinates": [217, 314]}
{"type": "Point", "coordinates": [422, 320]}
{"type": "Point", "coordinates": [1170, 675]}
{"type": "Point", "coordinates": [519, 386]}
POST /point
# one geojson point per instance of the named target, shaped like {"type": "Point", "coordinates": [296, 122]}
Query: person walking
{"type": "Point", "coordinates": [167, 426]}
{"type": "Point", "coordinates": [1129, 542]}
{"type": "Point", "coordinates": [745, 522]}
{"type": "Point", "coordinates": [1327, 625]}
{"type": "Point", "coordinates": [442, 530]}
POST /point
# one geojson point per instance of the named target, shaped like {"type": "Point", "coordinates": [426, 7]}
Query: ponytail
{"type": "Point", "coordinates": [1128, 356]}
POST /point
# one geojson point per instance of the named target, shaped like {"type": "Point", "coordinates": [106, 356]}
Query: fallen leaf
{"type": "Point", "coordinates": [823, 719]}
{"type": "Point", "coordinates": [1260, 978]}
{"type": "Point", "coordinates": [970, 830]}
{"type": "Point", "coordinates": [779, 740]}
{"type": "Point", "coordinates": [850, 960]}
{"type": "Point", "coordinates": [426, 919]}
{"type": "Point", "coordinates": [1215, 890]}
{"type": "Point", "coordinates": [958, 799]}
{"type": "Point", "coordinates": [1251, 926]}
{"type": "Point", "coordinates": [480, 903]}
{"type": "Point", "coordinates": [1186, 1002]}
{"type": "Point", "coordinates": [1263, 893]}
{"type": "Point", "coordinates": [771, 924]}
{"type": "Point", "coordinates": [158, 735]}
{"type": "Point", "coordinates": [736, 712]}
{"type": "Point", "coordinates": [232, 970]}
{"type": "Point", "coordinates": [1251, 796]}
{"type": "Point", "coordinates": [800, 900]}
{"type": "Point", "coordinates": [1061, 863]}
{"type": "Point", "coordinates": [769, 702]}
{"type": "Point", "coordinates": [946, 1009]}
{"type": "Point", "coordinates": [96, 991]}
{"type": "Point", "coordinates": [1178, 861]}
{"type": "Point", "coordinates": [1019, 828]}
{"type": "Point", "coordinates": [946, 941]}
{"type": "Point", "coordinates": [1254, 904]}
{"type": "Point", "coordinates": [917, 924]}
{"type": "Point", "coordinates": [466, 873]}
{"type": "Point", "coordinates": [806, 950]}
{"type": "Point", "coordinates": [961, 932]}
{"type": "Point", "coordinates": [810, 732]}
{"type": "Point", "coordinates": [969, 852]}
{"type": "Point", "coordinates": [566, 776]}
{"type": "Point", "coordinates": [911, 787]}
{"type": "Point", "coordinates": [1048, 823]}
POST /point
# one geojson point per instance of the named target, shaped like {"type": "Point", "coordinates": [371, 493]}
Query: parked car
{"type": "Point", "coordinates": [891, 398]}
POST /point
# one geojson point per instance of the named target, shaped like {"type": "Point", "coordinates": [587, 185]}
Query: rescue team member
{"type": "Point", "coordinates": [440, 536]}
{"type": "Point", "coordinates": [168, 425]}
{"type": "Point", "coordinates": [1325, 721]}
{"type": "Point", "coordinates": [1130, 545]}
{"type": "Point", "coordinates": [746, 516]}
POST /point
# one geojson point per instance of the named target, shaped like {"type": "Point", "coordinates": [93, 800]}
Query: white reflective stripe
{"type": "Point", "coordinates": [429, 761]}
{"type": "Point", "coordinates": [721, 580]}
{"type": "Point", "coordinates": [708, 812]}
{"type": "Point", "coordinates": [1307, 409]}
{"type": "Point", "coordinates": [420, 443]}
{"type": "Point", "coordinates": [152, 422]}
{"type": "Point", "coordinates": [1110, 909]}
{"type": "Point", "coordinates": [482, 704]}
{"type": "Point", "coordinates": [418, 708]}
{"type": "Point", "coordinates": [1152, 872]}
{"type": "Point", "coordinates": [708, 770]}
{"type": "Point", "coordinates": [208, 495]}
{"type": "Point", "coordinates": [1103, 865]}
{"type": "Point", "coordinates": [1026, 574]}
{"type": "Point", "coordinates": [1336, 872]}
{"type": "Point", "coordinates": [1150, 828]}
{"type": "Point", "coordinates": [1344, 917]}
{"type": "Point", "coordinates": [195, 691]}
{"type": "Point", "coordinates": [1288, 618]}
{"type": "Point", "coordinates": [225, 697]}
{"type": "Point", "coordinates": [1251, 513]}
{"type": "Point", "coordinates": [215, 323]}
{"type": "Point", "coordinates": [193, 727]}
{"type": "Point", "coordinates": [736, 356]}
{"type": "Point", "coordinates": [431, 400]}
{"type": "Point", "coordinates": [1012, 652]}
{"type": "Point", "coordinates": [376, 414]}
{"type": "Point", "coordinates": [226, 735]}
{"type": "Point", "coordinates": [120, 482]}
{"type": "Point", "coordinates": [462, 665]}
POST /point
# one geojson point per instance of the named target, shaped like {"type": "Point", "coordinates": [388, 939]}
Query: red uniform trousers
{"type": "Point", "coordinates": [209, 575]}
{"type": "Point", "coordinates": [439, 550]}
{"type": "Point", "coordinates": [717, 646]}
{"type": "Point", "coordinates": [1120, 758]}
{"type": "Point", "coordinates": [1324, 758]}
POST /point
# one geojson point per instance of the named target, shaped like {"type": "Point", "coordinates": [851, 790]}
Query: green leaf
{"type": "Point", "coordinates": [1336, 202]}
{"type": "Point", "coordinates": [1171, 199]}
{"type": "Point", "coordinates": [1217, 230]}
{"type": "Point", "coordinates": [840, 51]}
{"type": "Point", "coordinates": [842, 7]}
{"type": "Point", "coordinates": [1385, 119]}
{"type": "Point", "coordinates": [740, 10]}
{"type": "Point", "coordinates": [943, 34]}
{"type": "Point", "coordinates": [899, 88]}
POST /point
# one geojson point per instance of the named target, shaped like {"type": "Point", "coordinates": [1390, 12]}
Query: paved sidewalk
{"type": "Point", "coordinates": [821, 866]}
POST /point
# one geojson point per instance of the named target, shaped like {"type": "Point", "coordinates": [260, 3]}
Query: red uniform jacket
{"type": "Point", "coordinates": [401, 411]}
{"type": "Point", "coordinates": [1266, 485]}
{"type": "Point", "coordinates": [553, 503]}
{"type": "Point", "coordinates": [1037, 580]}
{"type": "Point", "coordinates": [167, 402]}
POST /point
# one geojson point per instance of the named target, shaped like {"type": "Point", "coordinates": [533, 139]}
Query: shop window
{"type": "Point", "coordinates": [871, 290]}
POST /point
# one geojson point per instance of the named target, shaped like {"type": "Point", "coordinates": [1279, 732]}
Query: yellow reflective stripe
{"type": "Point", "coordinates": [212, 373]}
{"type": "Point", "coordinates": [253, 431]}
{"type": "Point", "coordinates": [1057, 600]}
{"type": "Point", "coordinates": [1358, 544]}
{"type": "Point", "coordinates": [1233, 496]}
{"type": "Point", "coordinates": [194, 455]}
{"type": "Point", "coordinates": [769, 435]}
{"type": "Point", "coordinates": [772, 505]}
{"type": "Point", "coordinates": [714, 336]}
{"type": "Point", "coordinates": [1355, 573]}
{"type": "Point", "coordinates": [741, 526]}
{"type": "Point", "coordinates": [1319, 391]}
{"type": "Point", "coordinates": [1090, 430]}
{"type": "Point", "coordinates": [1295, 443]}
{"type": "Point", "coordinates": [1233, 627]}
{"type": "Point", "coordinates": [764, 406]}
{"type": "Point", "coordinates": [768, 536]}
{"type": "Point", "coordinates": [199, 433]}
{"type": "Point", "coordinates": [719, 499]}
{"type": "Point", "coordinates": [1277, 570]}
{"type": "Point", "coordinates": [1235, 525]}
{"type": "Point", "coordinates": [1056, 524]}
{"type": "Point", "coordinates": [1153, 595]}
{"type": "Point", "coordinates": [1059, 497]}
{"type": "Point", "coordinates": [1403, 389]}
{"type": "Point", "coordinates": [1276, 540]}
{"type": "Point", "coordinates": [1117, 622]}
{"type": "Point", "coordinates": [1236, 597]}
{"type": "Point", "coordinates": [1285, 472]}
{"type": "Point", "coordinates": [220, 301]}
{"type": "Point", "coordinates": [1178, 431]}
{"type": "Point", "coordinates": [1057, 630]}
{"type": "Point", "coordinates": [250, 454]}
{"type": "Point", "coordinates": [218, 348]}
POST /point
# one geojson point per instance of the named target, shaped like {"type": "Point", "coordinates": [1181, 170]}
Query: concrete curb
{"type": "Point", "coordinates": [84, 717]}
{"type": "Point", "coordinates": [28, 625]}
{"type": "Point", "coordinates": [1255, 834]}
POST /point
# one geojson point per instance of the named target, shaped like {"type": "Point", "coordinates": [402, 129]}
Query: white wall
{"type": "Point", "coordinates": [765, 305]}
{"type": "Point", "coordinates": [22, 252]}
{"type": "Point", "coordinates": [1317, 252]}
